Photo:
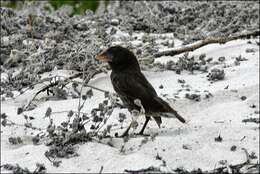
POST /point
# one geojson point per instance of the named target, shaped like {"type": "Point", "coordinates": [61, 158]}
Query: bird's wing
{"type": "Point", "coordinates": [134, 86]}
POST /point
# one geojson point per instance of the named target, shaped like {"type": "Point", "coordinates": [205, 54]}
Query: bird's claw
{"type": "Point", "coordinates": [142, 134]}
{"type": "Point", "coordinates": [125, 134]}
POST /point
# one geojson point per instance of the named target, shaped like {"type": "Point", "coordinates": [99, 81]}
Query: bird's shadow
{"type": "Point", "coordinates": [170, 132]}
{"type": "Point", "coordinates": [135, 143]}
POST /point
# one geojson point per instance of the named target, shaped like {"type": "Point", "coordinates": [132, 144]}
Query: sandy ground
{"type": "Point", "coordinates": [190, 146]}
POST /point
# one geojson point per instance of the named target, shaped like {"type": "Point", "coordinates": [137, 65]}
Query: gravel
{"type": "Point", "coordinates": [38, 41]}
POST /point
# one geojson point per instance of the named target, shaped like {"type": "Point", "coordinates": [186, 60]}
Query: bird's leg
{"type": "Point", "coordinates": [145, 123]}
{"type": "Point", "coordinates": [126, 131]}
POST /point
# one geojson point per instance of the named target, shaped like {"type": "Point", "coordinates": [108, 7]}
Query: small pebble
{"type": "Point", "coordinates": [139, 51]}
{"type": "Point", "coordinates": [114, 22]}
{"type": "Point", "coordinates": [221, 59]}
{"type": "Point", "coordinates": [181, 81]}
{"type": "Point", "coordinates": [186, 146]}
{"type": "Point", "coordinates": [202, 56]}
{"type": "Point", "coordinates": [243, 98]}
{"type": "Point", "coordinates": [178, 71]}
{"type": "Point", "coordinates": [195, 97]}
{"type": "Point", "coordinates": [218, 139]}
{"type": "Point", "coordinates": [209, 59]}
{"type": "Point", "coordinates": [252, 106]}
{"type": "Point", "coordinates": [236, 62]}
{"type": "Point", "coordinates": [233, 148]}
{"type": "Point", "coordinates": [216, 74]}
{"type": "Point", "coordinates": [250, 50]}
{"type": "Point", "coordinates": [253, 155]}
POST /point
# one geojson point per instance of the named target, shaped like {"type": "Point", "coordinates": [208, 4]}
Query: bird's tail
{"type": "Point", "coordinates": [173, 114]}
{"type": "Point", "coordinates": [168, 111]}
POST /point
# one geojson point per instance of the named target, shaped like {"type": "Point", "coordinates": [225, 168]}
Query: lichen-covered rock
{"type": "Point", "coordinates": [216, 74]}
{"type": "Point", "coordinates": [189, 21]}
{"type": "Point", "coordinates": [195, 97]}
{"type": "Point", "coordinates": [16, 57]}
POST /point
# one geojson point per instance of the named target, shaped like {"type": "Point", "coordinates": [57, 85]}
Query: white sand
{"type": "Point", "coordinates": [223, 113]}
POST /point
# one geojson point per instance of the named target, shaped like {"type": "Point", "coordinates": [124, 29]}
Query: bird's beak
{"type": "Point", "coordinates": [103, 57]}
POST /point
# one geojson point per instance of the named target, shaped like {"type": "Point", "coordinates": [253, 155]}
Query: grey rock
{"type": "Point", "coordinates": [114, 22]}
{"type": "Point", "coordinates": [216, 74]}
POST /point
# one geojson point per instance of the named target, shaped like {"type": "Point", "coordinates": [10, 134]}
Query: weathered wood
{"type": "Point", "coordinates": [210, 40]}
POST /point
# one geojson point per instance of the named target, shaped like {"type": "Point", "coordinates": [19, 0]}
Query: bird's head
{"type": "Point", "coordinates": [119, 58]}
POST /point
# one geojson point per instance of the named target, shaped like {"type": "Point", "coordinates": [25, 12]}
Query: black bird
{"type": "Point", "coordinates": [130, 84]}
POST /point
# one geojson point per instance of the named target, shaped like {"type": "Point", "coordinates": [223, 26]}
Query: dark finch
{"type": "Point", "coordinates": [130, 84]}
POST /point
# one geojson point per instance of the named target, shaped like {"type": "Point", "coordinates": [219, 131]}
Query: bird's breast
{"type": "Point", "coordinates": [121, 88]}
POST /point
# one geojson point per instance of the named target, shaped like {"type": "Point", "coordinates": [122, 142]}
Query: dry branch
{"type": "Point", "coordinates": [211, 40]}
{"type": "Point", "coordinates": [149, 170]}
{"type": "Point", "coordinates": [66, 81]}
{"type": "Point", "coordinates": [48, 87]}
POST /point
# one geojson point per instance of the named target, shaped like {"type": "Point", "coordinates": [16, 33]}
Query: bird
{"type": "Point", "coordinates": [130, 84]}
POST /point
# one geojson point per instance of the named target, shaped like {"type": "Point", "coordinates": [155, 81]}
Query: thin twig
{"type": "Point", "coordinates": [247, 155]}
{"type": "Point", "coordinates": [98, 89]}
{"type": "Point", "coordinates": [243, 138]}
{"type": "Point", "coordinates": [80, 94]}
{"type": "Point", "coordinates": [103, 124]}
{"type": "Point", "coordinates": [49, 86]}
{"type": "Point", "coordinates": [22, 125]}
{"type": "Point", "coordinates": [56, 83]}
{"type": "Point", "coordinates": [59, 112]}
{"type": "Point", "coordinates": [30, 86]}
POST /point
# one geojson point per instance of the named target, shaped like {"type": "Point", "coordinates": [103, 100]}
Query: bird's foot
{"type": "Point", "coordinates": [135, 134]}
{"type": "Point", "coordinates": [142, 134]}
{"type": "Point", "coordinates": [125, 134]}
